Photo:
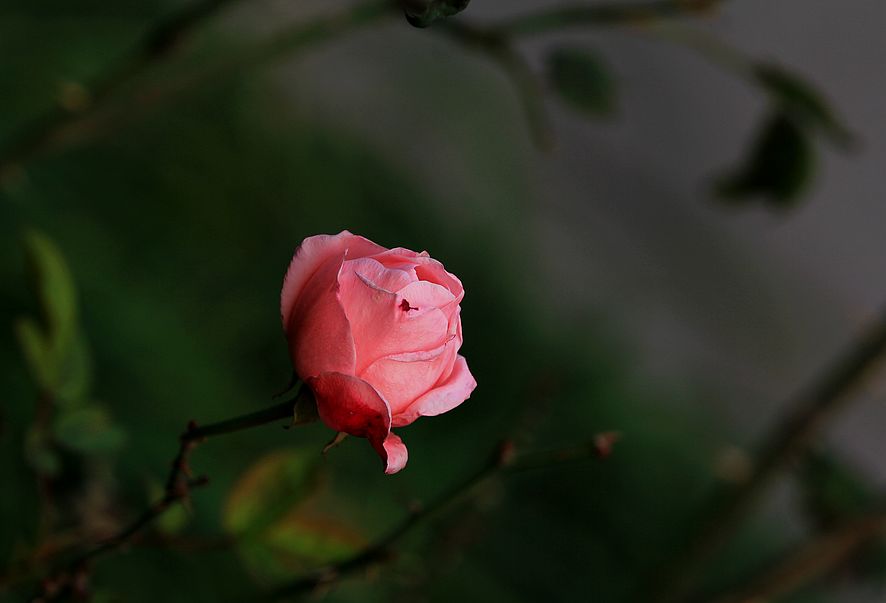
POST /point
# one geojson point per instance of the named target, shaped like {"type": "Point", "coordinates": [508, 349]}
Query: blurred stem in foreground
{"type": "Point", "coordinates": [790, 438]}
{"type": "Point", "coordinates": [504, 459]}
{"type": "Point", "coordinates": [72, 579]}
{"type": "Point", "coordinates": [810, 561]}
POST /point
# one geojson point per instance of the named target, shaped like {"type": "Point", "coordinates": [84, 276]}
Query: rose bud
{"type": "Point", "coordinates": [374, 333]}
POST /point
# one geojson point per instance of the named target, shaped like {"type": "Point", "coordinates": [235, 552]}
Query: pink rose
{"type": "Point", "coordinates": [374, 332]}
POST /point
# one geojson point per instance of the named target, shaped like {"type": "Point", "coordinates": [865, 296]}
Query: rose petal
{"type": "Point", "coordinates": [426, 268]}
{"type": "Point", "coordinates": [396, 455]}
{"type": "Point", "coordinates": [403, 378]}
{"type": "Point", "coordinates": [377, 276]}
{"type": "Point", "coordinates": [446, 396]}
{"type": "Point", "coordinates": [319, 334]}
{"type": "Point", "coordinates": [313, 253]}
{"type": "Point", "coordinates": [433, 271]}
{"type": "Point", "coordinates": [380, 325]}
{"type": "Point", "coordinates": [424, 296]}
{"type": "Point", "coordinates": [351, 405]}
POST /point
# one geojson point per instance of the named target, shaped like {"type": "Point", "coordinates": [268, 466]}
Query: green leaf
{"type": "Point", "coordinates": [74, 371]}
{"type": "Point", "coordinates": [175, 518]}
{"type": "Point", "coordinates": [583, 80]}
{"type": "Point", "coordinates": [422, 13]}
{"type": "Point", "coordinates": [802, 101]}
{"type": "Point", "coordinates": [268, 490]}
{"type": "Point", "coordinates": [298, 543]}
{"type": "Point", "coordinates": [779, 167]}
{"type": "Point", "coordinates": [37, 352]}
{"type": "Point", "coordinates": [88, 430]}
{"type": "Point", "coordinates": [56, 352]}
{"type": "Point", "coordinates": [54, 286]}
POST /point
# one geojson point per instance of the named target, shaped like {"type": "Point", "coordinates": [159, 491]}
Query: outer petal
{"type": "Point", "coordinates": [396, 454]}
{"type": "Point", "coordinates": [446, 396]}
{"type": "Point", "coordinates": [311, 255]}
{"type": "Point", "coordinates": [346, 403]}
{"type": "Point", "coordinates": [403, 378]}
{"type": "Point", "coordinates": [319, 334]}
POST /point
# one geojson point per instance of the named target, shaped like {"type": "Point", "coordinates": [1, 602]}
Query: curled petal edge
{"type": "Point", "coordinates": [348, 404]}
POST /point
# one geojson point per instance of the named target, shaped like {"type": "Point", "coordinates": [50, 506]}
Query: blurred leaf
{"type": "Point", "coordinates": [779, 167]}
{"type": "Point", "coordinates": [175, 518]}
{"type": "Point", "coordinates": [583, 80]}
{"type": "Point", "coordinates": [422, 13]}
{"type": "Point", "coordinates": [269, 489]}
{"type": "Point", "coordinates": [74, 371]}
{"type": "Point", "coordinates": [56, 353]}
{"type": "Point", "coordinates": [40, 454]}
{"type": "Point", "coordinates": [37, 353]}
{"type": "Point", "coordinates": [54, 286]}
{"type": "Point", "coordinates": [297, 543]}
{"type": "Point", "coordinates": [802, 101]}
{"type": "Point", "coordinates": [88, 430]}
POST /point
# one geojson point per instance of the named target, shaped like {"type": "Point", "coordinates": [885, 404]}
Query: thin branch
{"type": "Point", "coordinates": [502, 460]}
{"type": "Point", "coordinates": [72, 577]}
{"type": "Point", "coordinates": [583, 15]}
{"type": "Point", "coordinates": [76, 119]}
{"type": "Point", "coordinates": [101, 115]}
{"type": "Point", "coordinates": [528, 86]}
{"type": "Point", "coordinates": [809, 562]}
{"type": "Point", "coordinates": [156, 45]}
{"type": "Point", "coordinates": [791, 437]}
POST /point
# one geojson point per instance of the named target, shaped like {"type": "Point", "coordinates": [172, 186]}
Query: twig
{"type": "Point", "coordinates": [102, 116]}
{"type": "Point", "coordinates": [583, 15]}
{"type": "Point", "coordinates": [72, 120]}
{"type": "Point", "coordinates": [527, 85]}
{"type": "Point", "coordinates": [156, 45]}
{"type": "Point", "coordinates": [791, 437]}
{"type": "Point", "coordinates": [503, 459]}
{"type": "Point", "coordinates": [72, 578]}
{"type": "Point", "coordinates": [810, 561]}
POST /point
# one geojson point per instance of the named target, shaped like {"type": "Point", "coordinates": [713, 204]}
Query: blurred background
{"type": "Point", "coordinates": [668, 221]}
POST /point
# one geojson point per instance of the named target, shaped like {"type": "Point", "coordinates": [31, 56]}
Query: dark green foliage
{"type": "Point", "coordinates": [422, 13]}
{"type": "Point", "coordinates": [583, 80]}
{"type": "Point", "coordinates": [778, 168]}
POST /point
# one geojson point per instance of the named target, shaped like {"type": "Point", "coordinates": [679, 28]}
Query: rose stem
{"type": "Point", "coordinates": [502, 460]}
{"type": "Point", "coordinates": [70, 578]}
